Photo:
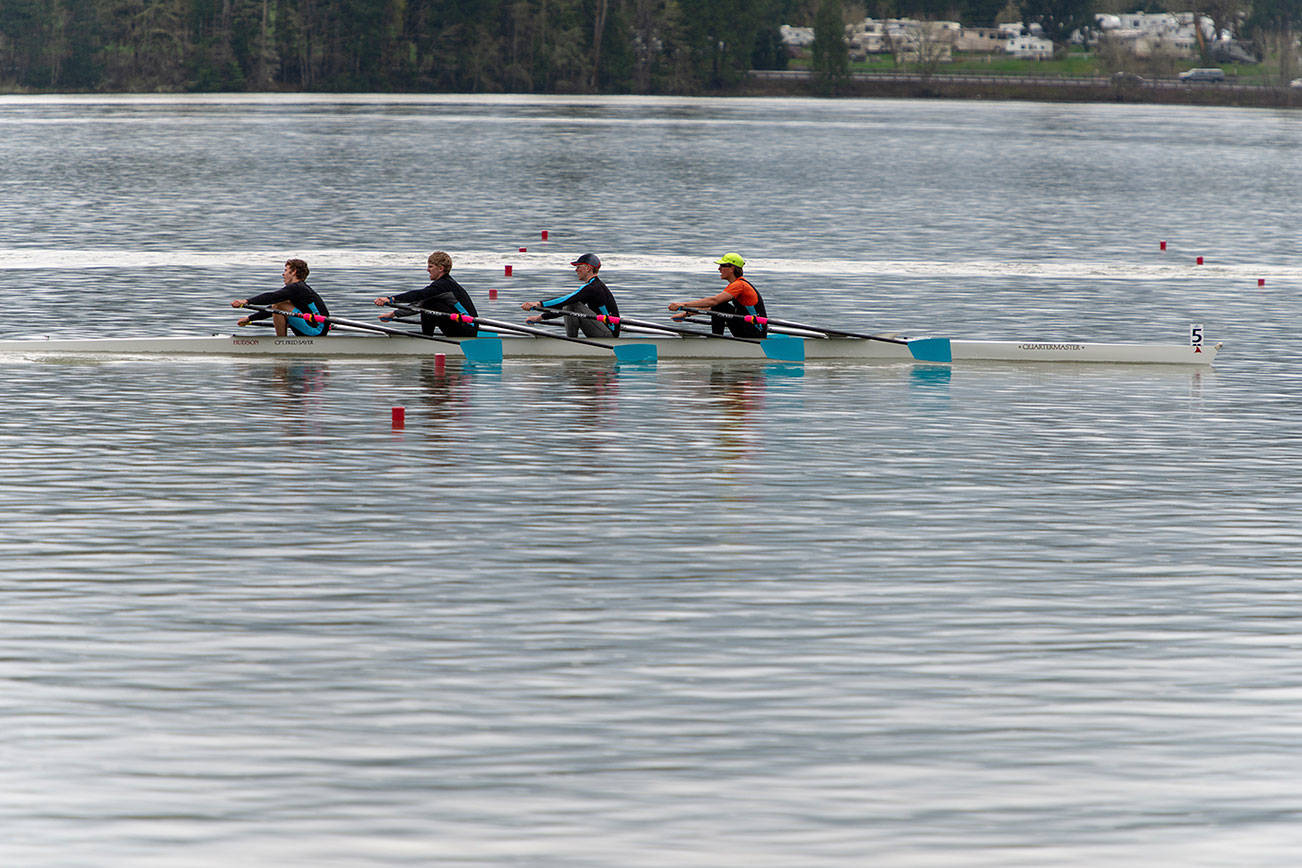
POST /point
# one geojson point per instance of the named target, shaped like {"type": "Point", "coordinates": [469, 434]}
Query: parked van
{"type": "Point", "coordinates": [1203, 74]}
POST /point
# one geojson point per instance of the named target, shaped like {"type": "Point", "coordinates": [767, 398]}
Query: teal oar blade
{"type": "Point", "coordinates": [783, 348]}
{"type": "Point", "coordinates": [485, 351]}
{"type": "Point", "coordinates": [931, 350]}
{"type": "Point", "coordinates": [643, 354]}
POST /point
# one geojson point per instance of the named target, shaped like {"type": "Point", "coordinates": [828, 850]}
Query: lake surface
{"type": "Point", "coordinates": [691, 614]}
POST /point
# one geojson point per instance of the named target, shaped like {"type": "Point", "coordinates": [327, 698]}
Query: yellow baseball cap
{"type": "Point", "coordinates": [730, 259]}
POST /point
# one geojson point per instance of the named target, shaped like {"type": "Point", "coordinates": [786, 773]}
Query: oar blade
{"type": "Point", "coordinates": [783, 348]}
{"type": "Point", "coordinates": [931, 350]}
{"type": "Point", "coordinates": [483, 351]}
{"type": "Point", "coordinates": [636, 354]}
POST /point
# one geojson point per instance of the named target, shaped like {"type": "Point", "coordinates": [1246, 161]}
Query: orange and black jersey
{"type": "Point", "coordinates": [746, 300]}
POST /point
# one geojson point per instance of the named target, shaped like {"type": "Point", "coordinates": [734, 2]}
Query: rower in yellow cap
{"type": "Point", "coordinates": [739, 299]}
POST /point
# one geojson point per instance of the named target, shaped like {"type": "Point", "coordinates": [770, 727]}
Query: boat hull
{"type": "Point", "coordinates": [381, 346]}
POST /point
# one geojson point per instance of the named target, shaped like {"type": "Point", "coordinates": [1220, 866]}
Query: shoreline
{"type": "Point", "coordinates": [1021, 88]}
{"type": "Point", "coordinates": [800, 83]}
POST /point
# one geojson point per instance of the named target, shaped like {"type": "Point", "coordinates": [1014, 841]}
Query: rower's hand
{"type": "Point", "coordinates": [243, 322]}
{"type": "Point", "coordinates": [382, 300]}
{"type": "Point", "coordinates": [387, 316]}
{"type": "Point", "coordinates": [239, 302]}
{"type": "Point", "coordinates": [679, 317]}
{"type": "Point", "coordinates": [530, 305]}
{"type": "Point", "coordinates": [533, 318]}
{"type": "Point", "coordinates": [673, 305]}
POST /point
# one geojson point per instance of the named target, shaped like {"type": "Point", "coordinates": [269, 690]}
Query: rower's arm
{"type": "Point", "coordinates": [703, 303]}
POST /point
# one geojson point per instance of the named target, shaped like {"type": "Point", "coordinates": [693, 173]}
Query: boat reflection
{"type": "Point", "coordinates": [445, 390]}
{"type": "Point", "coordinates": [746, 395]}
{"type": "Point", "coordinates": [929, 384]}
{"type": "Point", "coordinates": [592, 387]}
{"type": "Point", "coordinates": [575, 407]}
{"type": "Point", "coordinates": [592, 391]}
{"type": "Point", "coordinates": [300, 382]}
{"type": "Point", "coordinates": [443, 396]}
{"type": "Point", "coordinates": [301, 386]}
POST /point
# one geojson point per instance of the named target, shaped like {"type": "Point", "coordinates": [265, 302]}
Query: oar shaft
{"type": "Point", "coordinates": [761, 320]}
{"type": "Point", "coordinates": [651, 325]}
{"type": "Point", "coordinates": [529, 330]}
{"type": "Point", "coordinates": [628, 352]}
{"type": "Point", "coordinates": [699, 334]}
{"type": "Point", "coordinates": [364, 326]}
{"type": "Point", "coordinates": [780, 349]}
{"type": "Point", "coordinates": [837, 332]}
{"type": "Point", "coordinates": [504, 326]}
{"type": "Point", "coordinates": [613, 320]}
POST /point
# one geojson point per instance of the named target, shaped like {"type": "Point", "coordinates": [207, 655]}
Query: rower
{"type": "Point", "coordinates": [738, 297]}
{"type": "Point", "coordinates": [592, 298]}
{"type": "Point", "coordinates": [443, 295]}
{"type": "Point", "coordinates": [295, 297]}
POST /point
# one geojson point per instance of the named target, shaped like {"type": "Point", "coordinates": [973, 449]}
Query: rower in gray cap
{"type": "Point", "coordinates": [591, 299]}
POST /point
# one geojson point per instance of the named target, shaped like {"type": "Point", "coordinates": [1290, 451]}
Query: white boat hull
{"type": "Point", "coordinates": [345, 345]}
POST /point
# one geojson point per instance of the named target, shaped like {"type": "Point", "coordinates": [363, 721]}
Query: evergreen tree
{"type": "Point", "coordinates": [981, 13]}
{"type": "Point", "coordinates": [681, 46]}
{"type": "Point", "coordinates": [1274, 25]}
{"type": "Point", "coordinates": [1058, 19]}
{"type": "Point", "coordinates": [830, 55]}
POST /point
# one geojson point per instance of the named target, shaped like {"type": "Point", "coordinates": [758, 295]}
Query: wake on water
{"type": "Point", "coordinates": [1167, 267]}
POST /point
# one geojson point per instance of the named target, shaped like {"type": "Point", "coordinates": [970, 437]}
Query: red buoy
{"type": "Point", "coordinates": [544, 235]}
{"type": "Point", "coordinates": [399, 417]}
{"type": "Point", "coordinates": [1198, 261]}
{"type": "Point", "coordinates": [508, 271]}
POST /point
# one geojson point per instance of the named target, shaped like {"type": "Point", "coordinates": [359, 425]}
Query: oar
{"type": "Point", "coordinates": [632, 353]}
{"type": "Point", "coordinates": [610, 319]}
{"type": "Point", "coordinates": [481, 350]}
{"type": "Point", "coordinates": [781, 348]}
{"type": "Point", "coordinates": [922, 349]}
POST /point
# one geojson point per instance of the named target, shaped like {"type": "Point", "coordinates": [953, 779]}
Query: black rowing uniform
{"type": "Point", "coordinates": [593, 297]}
{"type": "Point", "coordinates": [446, 296]}
{"type": "Point", "coordinates": [304, 298]}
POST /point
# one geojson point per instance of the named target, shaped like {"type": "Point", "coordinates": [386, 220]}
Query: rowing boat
{"type": "Point", "coordinates": [680, 347]}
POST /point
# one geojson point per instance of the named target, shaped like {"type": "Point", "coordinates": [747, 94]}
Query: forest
{"type": "Point", "coordinates": [467, 46]}
{"type": "Point", "coordinates": [542, 46]}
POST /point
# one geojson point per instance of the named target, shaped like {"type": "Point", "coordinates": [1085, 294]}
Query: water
{"type": "Point", "coordinates": [700, 614]}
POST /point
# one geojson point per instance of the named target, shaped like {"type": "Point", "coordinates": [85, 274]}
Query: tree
{"type": "Point", "coordinates": [650, 22]}
{"type": "Point", "coordinates": [770, 52]}
{"type": "Point", "coordinates": [24, 51]}
{"type": "Point", "coordinates": [1274, 25]}
{"type": "Point", "coordinates": [981, 13]}
{"type": "Point", "coordinates": [830, 55]}
{"type": "Point", "coordinates": [717, 37]}
{"type": "Point", "coordinates": [1222, 13]}
{"type": "Point", "coordinates": [926, 44]}
{"type": "Point", "coordinates": [145, 44]}
{"type": "Point", "coordinates": [1058, 19]}
{"type": "Point", "coordinates": [680, 46]}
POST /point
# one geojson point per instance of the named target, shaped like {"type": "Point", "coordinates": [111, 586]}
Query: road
{"type": "Point", "coordinates": [1032, 80]}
